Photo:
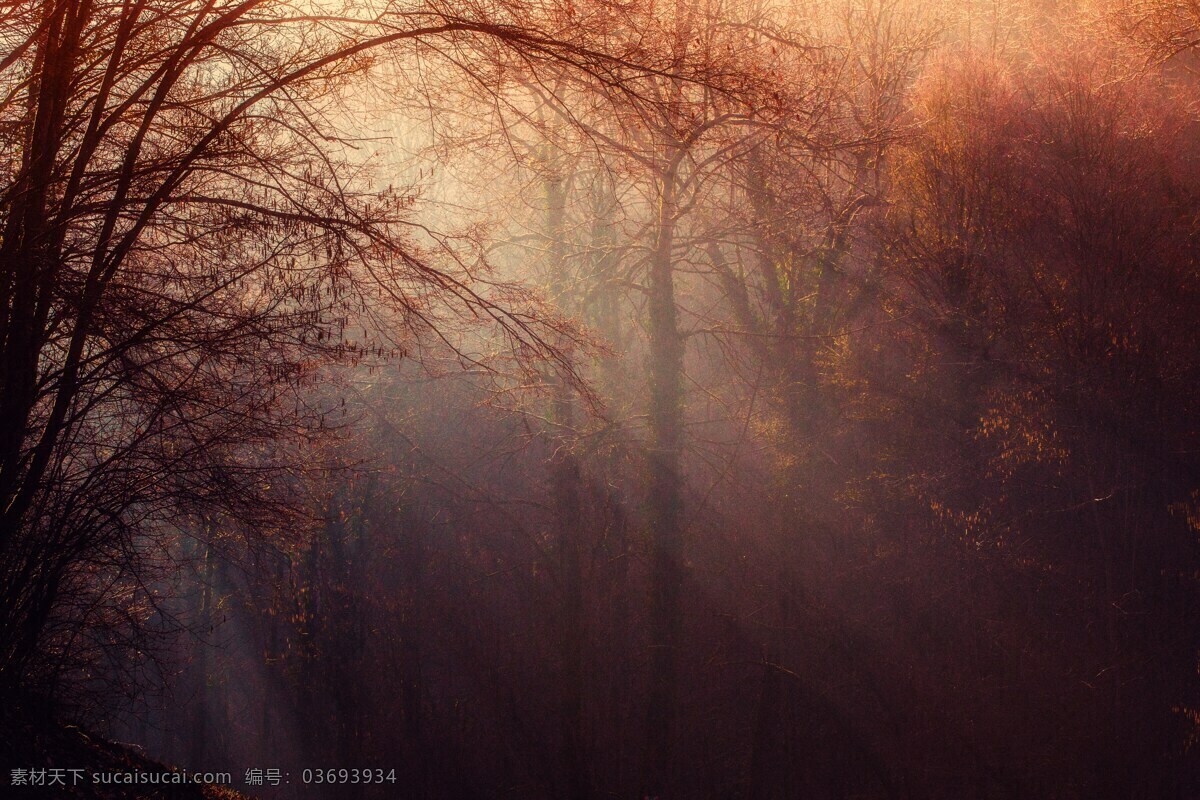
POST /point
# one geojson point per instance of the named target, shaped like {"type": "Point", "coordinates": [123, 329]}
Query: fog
{"type": "Point", "coordinates": [584, 399]}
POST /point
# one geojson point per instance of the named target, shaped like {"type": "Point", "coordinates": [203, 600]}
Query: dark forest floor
{"type": "Point", "coordinates": [69, 757]}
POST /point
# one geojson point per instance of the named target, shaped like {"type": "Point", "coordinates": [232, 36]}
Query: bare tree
{"type": "Point", "coordinates": [187, 234]}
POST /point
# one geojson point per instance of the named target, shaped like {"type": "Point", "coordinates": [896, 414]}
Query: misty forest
{"type": "Point", "coordinates": [587, 399]}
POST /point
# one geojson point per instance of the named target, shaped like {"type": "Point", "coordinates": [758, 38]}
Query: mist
{"type": "Point", "coordinates": [581, 399]}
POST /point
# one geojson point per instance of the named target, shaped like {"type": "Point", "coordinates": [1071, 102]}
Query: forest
{"type": "Point", "coordinates": [582, 399]}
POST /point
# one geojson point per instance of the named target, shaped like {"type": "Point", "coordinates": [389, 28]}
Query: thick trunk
{"type": "Point", "coordinates": [29, 255]}
{"type": "Point", "coordinates": [664, 504]}
{"type": "Point", "coordinates": [565, 480]}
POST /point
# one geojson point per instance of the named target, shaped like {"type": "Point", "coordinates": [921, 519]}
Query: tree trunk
{"type": "Point", "coordinates": [199, 751]}
{"type": "Point", "coordinates": [664, 504]}
{"type": "Point", "coordinates": [565, 482]}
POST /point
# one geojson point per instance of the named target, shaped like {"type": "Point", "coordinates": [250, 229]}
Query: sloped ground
{"type": "Point", "coordinates": [33, 748]}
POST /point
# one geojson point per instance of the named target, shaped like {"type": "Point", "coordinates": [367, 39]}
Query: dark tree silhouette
{"type": "Point", "coordinates": [187, 234]}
